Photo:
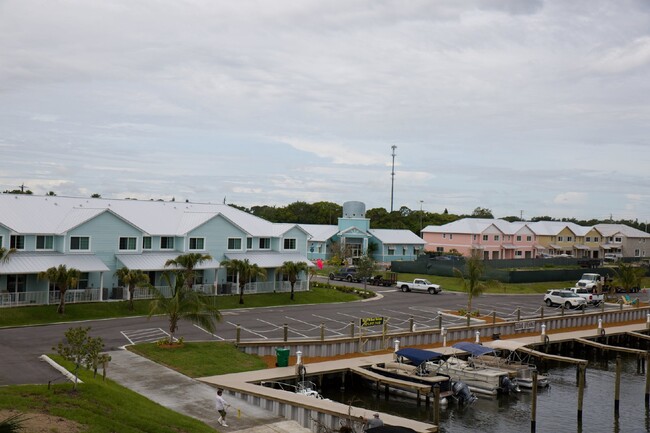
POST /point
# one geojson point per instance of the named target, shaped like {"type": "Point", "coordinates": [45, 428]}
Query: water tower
{"type": "Point", "coordinates": [354, 209]}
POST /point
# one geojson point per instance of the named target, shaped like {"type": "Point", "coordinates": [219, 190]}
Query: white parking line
{"type": "Point", "coordinates": [210, 333]}
{"type": "Point", "coordinates": [248, 330]}
{"type": "Point", "coordinates": [330, 319]}
{"type": "Point", "coordinates": [144, 335]}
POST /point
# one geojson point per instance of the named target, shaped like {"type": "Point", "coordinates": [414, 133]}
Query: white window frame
{"type": "Point", "coordinates": [79, 249]}
{"type": "Point", "coordinates": [569, 238]}
{"type": "Point", "coordinates": [290, 240]}
{"type": "Point", "coordinates": [451, 235]}
{"type": "Point", "coordinates": [144, 245]}
{"type": "Point", "coordinates": [45, 238]}
{"type": "Point", "coordinates": [529, 238]}
{"type": "Point", "coordinates": [618, 240]}
{"type": "Point", "coordinates": [229, 248]}
{"type": "Point", "coordinates": [440, 249]}
{"type": "Point", "coordinates": [404, 250]}
{"type": "Point", "coordinates": [518, 253]}
{"type": "Point", "coordinates": [390, 251]}
{"type": "Point", "coordinates": [259, 244]}
{"type": "Point", "coordinates": [485, 237]}
{"type": "Point", "coordinates": [588, 239]}
{"type": "Point", "coordinates": [518, 238]}
{"type": "Point", "coordinates": [196, 239]}
{"type": "Point", "coordinates": [637, 252]}
{"type": "Point", "coordinates": [166, 248]}
{"type": "Point", "coordinates": [496, 237]}
{"type": "Point", "coordinates": [596, 239]}
{"type": "Point", "coordinates": [249, 243]}
{"type": "Point", "coordinates": [130, 240]}
{"type": "Point", "coordinates": [15, 239]}
{"type": "Point", "coordinates": [560, 238]}
{"type": "Point", "coordinates": [474, 237]}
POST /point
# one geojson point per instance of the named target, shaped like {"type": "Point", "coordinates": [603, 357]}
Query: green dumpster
{"type": "Point", "coordinates": [282, 357]}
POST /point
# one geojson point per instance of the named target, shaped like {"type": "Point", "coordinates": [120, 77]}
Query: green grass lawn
{"type": "Point", "coordinates": [454, 284]}
{"type": "Point", "coordinates": [101, 407]}
{"type": "Point", "coordinates": [42, 314]}
{"type": "Point", "coordinates": [201, 359]}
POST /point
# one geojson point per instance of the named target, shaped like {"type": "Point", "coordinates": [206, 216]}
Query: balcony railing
{"type": "Point", "coordinates": [12, 299]}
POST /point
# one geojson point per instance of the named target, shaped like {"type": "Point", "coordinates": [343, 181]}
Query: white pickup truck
{"type": "Point", "coordinates": [589, 281]}
{"type": "Point", "coordinates": [419, 285]}
{"type": "Point", "coordinates": [588, 295]}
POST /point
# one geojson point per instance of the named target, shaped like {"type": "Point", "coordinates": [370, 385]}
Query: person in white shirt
{"type": "Point", "coordinates": [221, 406]}
{"type": "Point", "coordinates": [375, 421]}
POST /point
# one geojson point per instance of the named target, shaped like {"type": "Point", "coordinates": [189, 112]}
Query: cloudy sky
{"type": "Point", "coordinates": [540, 107]}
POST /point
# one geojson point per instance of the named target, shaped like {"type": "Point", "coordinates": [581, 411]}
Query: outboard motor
{"type": "Point", "coordinates": [509, 385]}
{"type": "Point", "coordinates": [462, 393]}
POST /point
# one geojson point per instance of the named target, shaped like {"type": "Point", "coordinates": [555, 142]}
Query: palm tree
{"type": "Point", "coordinates": [132, 278]}
{"type": "Point", "coordinates": [5, 254]}
{"type": "Point", "coordinates": [62, 278]}
{"type": "Point", "coordinates": [291, 270]}
{"type": "Point", "coordinates": [188, 262]}
{"type": "Point", "coordinates": [472, 283]}
{"type": "Point", "coordinates": [246, 271]}
{"type": "Point", "coordinates": [184, 304]}
{"type": "Point", "coordinates": [627, 277]}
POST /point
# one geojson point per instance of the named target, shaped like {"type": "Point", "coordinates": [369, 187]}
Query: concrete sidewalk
{"type": "Point", "coordinates": [191, 397]}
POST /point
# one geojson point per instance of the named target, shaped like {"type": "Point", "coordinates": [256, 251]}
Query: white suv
{"type": "Point", "coordinates": [565, 298]}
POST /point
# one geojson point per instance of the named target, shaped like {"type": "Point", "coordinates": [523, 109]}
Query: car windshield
{"type": "Point", "coordinates": [425, 282]}
{"type": "Point", "coordinates": [582, 291]}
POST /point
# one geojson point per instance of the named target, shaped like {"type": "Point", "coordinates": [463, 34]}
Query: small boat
{"type": "Point", "coordinates": [416, 369]}
{"type": "Point", "coordinates": [303, 387]}
{"type": "Point", "coordinates": [509, 357]}
{"type": "Point", "coordinates": [480, 379]}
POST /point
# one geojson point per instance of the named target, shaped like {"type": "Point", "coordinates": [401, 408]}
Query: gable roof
{"type": "Point", "coordinates": [32, 214]}
{"type": "Point", "coordinates": [608, 230]}
{"type": "Point", "coordinates": [392, 236]}
{"type": "Point", "coordinates": [320, 232]}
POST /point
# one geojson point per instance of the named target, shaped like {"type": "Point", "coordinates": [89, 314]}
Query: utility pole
{"type": "Point", "coordinates": [421, 201]}
{"type": "Point", "coordinates": [392, 180]}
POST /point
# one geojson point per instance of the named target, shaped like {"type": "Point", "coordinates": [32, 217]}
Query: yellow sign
{"type": "Point", "coordinates": [371, 321]}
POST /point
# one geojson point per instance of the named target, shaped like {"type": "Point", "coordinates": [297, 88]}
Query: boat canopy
{"type": "Point", "coordinates": [473, 348]}
{"type": "Point", "coordinates": [418, 356]}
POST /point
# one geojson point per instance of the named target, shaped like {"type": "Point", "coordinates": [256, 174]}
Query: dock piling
{"type": "Point", "coordinates": [238, 338]}
{"type": "Point", "coordinates": [285, 330]}
{"type": "Point", "coordinates": [617, 386]}
{"type": "Point", "coordinates": [581, 389]}
{"type": "Point", "coordinates": [647, 382]}
{"type": "Point", "coordinates": [436, 404]}
{"type": "Point", "coordinates": [533, 404]}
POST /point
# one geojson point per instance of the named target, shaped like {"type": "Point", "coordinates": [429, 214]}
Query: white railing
{"type": "Point", "coordinates": [11, 299]}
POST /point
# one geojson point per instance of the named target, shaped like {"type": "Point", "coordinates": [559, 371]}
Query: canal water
{"type": "Point", "coordinates": [556, 405]}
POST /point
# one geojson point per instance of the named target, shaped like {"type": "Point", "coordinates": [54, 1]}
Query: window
{"type": "Point", "coordinates": [265, 243]}
{"type": "Point", "coordinates": [451, 235]}
{"type": "Point", "coordinates": [249, 243]}
{"type": "Point", "coordinates": [128, 244]}
{"type": "Point", "coordinates": [234, 243]}
{"type": "Point", "coordinates": [618, 240]}
{"type": "Point", "coordinates": [518, 238]}
{"type": "Point", "coordinates": [404, 251]}
{"type": "Point", "coordinates": [197, 243]}
{"type": "Point", "coordinates": [529, 238]}
{"type": "Point", "coordinates": [440, 249]}
{"type": "Point", "coordinates": [560, 238]}
{"type": "Point", "coordinates": [44, 242]}
{"type": "Point", "coordinates": [444, 235]}
{"type": "Point", "coordinates": [637, 253]}
{"type": "Point", "coordinates": [79, 243]}
{"type": "Point", "coordinates": [416, 251]}
{"type": "Point", "coordinates": [588, 239]}
{"type": "Point", "coordinates": [496, 237]}
{"type": "Point", "coordinates": [166, 243]}
{"type": "Point", "coordinates": [485, 237]}
{"type": "Point", "coordinates": [17, 242]}
{"type": "Point", "coordinates": [0, 241]}
{"type": "Point", "coordinates": [290, 244]}
{"type": "Point", "coordinates": [146, 242]}
{"type": "Point", "coordinates": [391, 251]}
{"type": "Point", "coordinates": [596, 239]}
{"type": "Point", "coordinates": [82, 283]}
{"type": "Point", "coordinates": [569, 238]}
{"type": "Point", "coordinates": [518, 253]}
{"type": "Point", "coordinates": [474, 237]}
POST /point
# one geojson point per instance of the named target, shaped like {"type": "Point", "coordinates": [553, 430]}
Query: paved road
{"type": "Point", "coordinates": [21, 347]}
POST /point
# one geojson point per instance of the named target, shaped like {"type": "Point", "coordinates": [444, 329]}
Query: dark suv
{"type": "Point", "coordinates": [345, 274]}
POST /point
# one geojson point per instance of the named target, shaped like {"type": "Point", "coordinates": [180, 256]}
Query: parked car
{"type": "Point", "coordinates": [386, 279]}
{"type": "Point", "coordinates": [589, 295]}
{"type": "Point", "coordinates": [419, 285]}
{"type": "Point", "coordinates": [348, 274]}
{"type": "Point", "coordinates": [565, 298]}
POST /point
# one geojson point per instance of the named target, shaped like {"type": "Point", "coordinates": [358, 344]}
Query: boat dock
{"type": "Point", "coordinates": [311, 412]}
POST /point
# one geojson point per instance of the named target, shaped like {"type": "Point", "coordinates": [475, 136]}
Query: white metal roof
{"type": "Point", "coordinates": [156, 261]}
{"type": "Point", "coordinates": [390, 236]}
{"type": "Point", "coordinates": [30, 214]}
{"type": "Point", "coordinates": [627, 231]}
{"type": "Point", "coordinates": [32, 263]}
{"type": "Point", "coordinates": [269, 259]}
{"type": "Point", "coordinates": [320, 232]}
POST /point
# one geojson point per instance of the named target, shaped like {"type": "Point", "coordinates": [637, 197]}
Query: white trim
{"type": "Point", "coordinates": [119, 240]}
{"type": "Point", "coordinates": [167, 248]}
{"type": "Point", "coordinates": [36, 248]}
{"type": "Point", "coordinates": [295, 243]}
{"type": "Point", "coordinates": [189, 247]}
{"type": "Point", "coordinates": [241, 244]}
{"type": "Point", "coordinates": [69, 244]}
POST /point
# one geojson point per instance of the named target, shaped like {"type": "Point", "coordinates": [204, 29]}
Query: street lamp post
{"type": "Point", "coordinates": [421, 201]}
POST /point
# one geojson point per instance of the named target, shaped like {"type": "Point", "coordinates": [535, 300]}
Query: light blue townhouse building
{"type": "Point", "coordinates": [98, 236]}
{"type": "Point", "coordinates": [354, 236]}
